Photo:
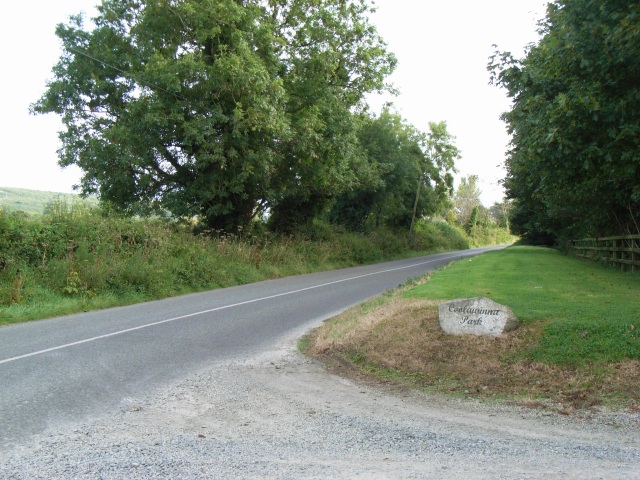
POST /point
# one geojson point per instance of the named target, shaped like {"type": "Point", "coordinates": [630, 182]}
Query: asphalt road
{"type": "Point", "coordinates": [56, 372]}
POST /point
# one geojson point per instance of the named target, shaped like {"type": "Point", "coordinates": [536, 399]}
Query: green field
{"type": "Point", "coordinates": [32, 201]}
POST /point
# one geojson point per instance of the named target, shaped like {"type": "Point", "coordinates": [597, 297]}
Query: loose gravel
{"type": "Point", "coordinates": [283, 416]}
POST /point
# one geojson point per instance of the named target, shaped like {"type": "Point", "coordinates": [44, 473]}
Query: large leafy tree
{"type": "Point", "coordinates": [210, 107]}
{"type": "Point", "coordinates": [333, 57]}
{"type": "Point", "coordinates": [405, 173]}
{"type": "Point", "coordinates": [573, 168]}
{"type": "Point", "coordinates": [466, 198]}
{"type": "Point", "coordinates": [499, 213]}
{"type": "Point", "coordinates": [441, 154]}
{"type": "Point", "coordinates": [172, 104]}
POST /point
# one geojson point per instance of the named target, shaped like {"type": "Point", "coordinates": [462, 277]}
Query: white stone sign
{"type": "Point", "coordinates": [476, 316]}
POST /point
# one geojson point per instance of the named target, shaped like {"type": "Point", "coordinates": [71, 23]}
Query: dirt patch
{"type": "Point", "coordinates": [400, 341]}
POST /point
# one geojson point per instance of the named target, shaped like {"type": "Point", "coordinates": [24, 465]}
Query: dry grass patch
{"type": "Point", "coordinates": [400, 341]}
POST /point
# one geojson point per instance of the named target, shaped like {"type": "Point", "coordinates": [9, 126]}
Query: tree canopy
{"type": "Point", "coordinates": [466, 199]}
{"type": "Point", "coordinates": [573, 168]}
{"type": "Point", "coordinates": [216, 108]}
{"type": "Point", "coordinates": [404, 171]}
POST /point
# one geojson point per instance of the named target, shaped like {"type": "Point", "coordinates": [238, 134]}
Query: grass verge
{"type": "Point", "coordinates": [578, 345]}
{"type": "Point", "coordinates": [75, 258]}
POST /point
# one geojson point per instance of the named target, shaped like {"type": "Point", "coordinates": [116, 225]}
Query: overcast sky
{"type": "Point", "coordinates": [442, 49]}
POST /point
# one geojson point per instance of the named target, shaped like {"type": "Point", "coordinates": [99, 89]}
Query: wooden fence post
{"type": "Point", "coordinates": [622, 250]}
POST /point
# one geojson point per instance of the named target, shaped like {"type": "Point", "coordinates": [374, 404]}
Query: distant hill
{"type": "Point", "coordinates": [32, 201]}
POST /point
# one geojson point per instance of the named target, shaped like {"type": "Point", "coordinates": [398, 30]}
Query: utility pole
{"type": "Point", "coordinates": [415, 208]}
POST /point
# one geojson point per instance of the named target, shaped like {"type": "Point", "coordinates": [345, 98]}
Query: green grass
{"type": "Point", "coordinates": [75, 257]}
{"type": "Point", "coordinates": [588, 314]}
{"type": "Point", "coordinates": [578, 346]}
{"type": "Point", "coordinates": [33, 201]}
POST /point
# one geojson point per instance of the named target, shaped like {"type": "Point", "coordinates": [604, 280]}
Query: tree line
{"type": "Point", "coordinates": [236, 110]}
{"type": "Point", "coordinates": [573, 168]}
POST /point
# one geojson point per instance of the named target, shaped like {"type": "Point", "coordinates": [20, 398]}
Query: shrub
{"type": "Point", "coordinates": [434, 236]}
{"type": "Point", "coordinates": [74, 257]}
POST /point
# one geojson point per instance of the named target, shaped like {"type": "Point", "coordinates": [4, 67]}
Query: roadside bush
{"type": "Point", "coordinates": [359, 249]}
{"type": "Point", "coordinates": [75, 257]}
{"type": "Point", "coordinates": [320, 231]}
{"type": "Point", "coordinates": [389, 243]}
{"type": "Point", "coordinates": [14, 285]}
{"type": "Point", "coordinates": [19, 239]}
{"type": "Point", "coordinates": [482, 235]}
{"type": "Point", "coordinates": [437, 236]}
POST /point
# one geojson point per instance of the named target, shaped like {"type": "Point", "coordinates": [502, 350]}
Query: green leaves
{"type": "Point", "coordinates": [573, 165]}
{"type": "Point", "coordinates": [401, 169]}
{"type": "Point", "coordinates": [215, 108]}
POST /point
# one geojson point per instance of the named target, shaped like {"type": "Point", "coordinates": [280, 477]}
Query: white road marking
{"type": "Point", "coordinates": [261, 299]}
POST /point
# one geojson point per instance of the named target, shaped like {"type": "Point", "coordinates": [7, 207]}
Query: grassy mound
{"type": "Point", "coordinates": [578, 346]}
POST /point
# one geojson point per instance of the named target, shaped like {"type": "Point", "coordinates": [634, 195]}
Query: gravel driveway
{"type": "Point", "coordinates": [283, 416]}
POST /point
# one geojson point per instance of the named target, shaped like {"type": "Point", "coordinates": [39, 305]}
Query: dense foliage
{"type": "Point", "coordinates": [75, 257]}
{"type": "Point", "coordinates": [220, 109]}
{"type": "Point", "coordinates": [573, 169]}
{"type": "Point", "coordinates": [466, 201]}
{"type": "Point", "coordinates": [406, 174]}
{"type": "Point", "coordinates": [246, 116]}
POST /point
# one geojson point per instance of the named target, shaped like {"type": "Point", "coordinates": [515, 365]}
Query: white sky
{"type": "Point", "coordinates": [442, 48]}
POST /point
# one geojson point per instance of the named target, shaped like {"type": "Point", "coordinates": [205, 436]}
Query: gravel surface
{"type": "Point", "coordinates": [283, 416]}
